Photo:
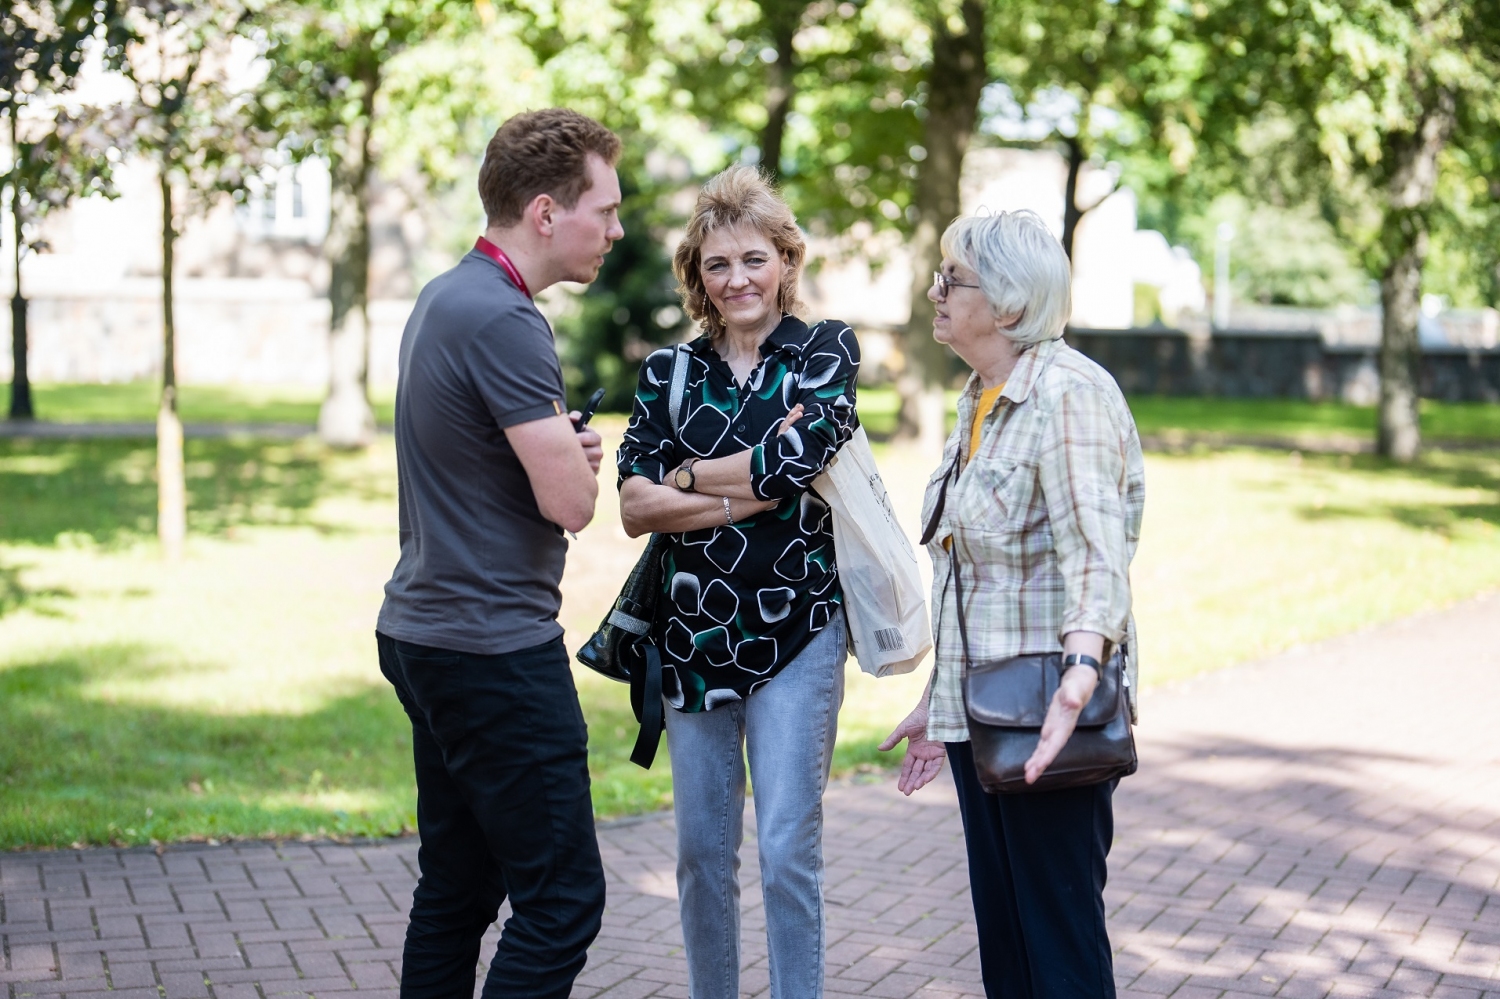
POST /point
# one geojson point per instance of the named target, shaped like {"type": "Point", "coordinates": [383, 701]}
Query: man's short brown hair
{"type": "Point", "coordinates": [541, 152]}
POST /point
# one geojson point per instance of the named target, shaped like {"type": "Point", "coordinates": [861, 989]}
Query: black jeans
{"type": "Point", "coordinates": [1036, 871]}
{"type": "Point", "coordinates": [503, 810]}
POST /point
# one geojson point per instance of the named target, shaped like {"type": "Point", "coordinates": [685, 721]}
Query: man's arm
{"type": "Point", "coordinates": [562, 465]}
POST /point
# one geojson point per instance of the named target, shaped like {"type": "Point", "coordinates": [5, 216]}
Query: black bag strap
{"type": "Point", "coordinates": [958, 599]}
{"type": "Point", "coordinates": [646, 695]}
{"type": "Point", "coordinates": [645, 684]}
{"type": "Point", "coordinates": [929, 531]}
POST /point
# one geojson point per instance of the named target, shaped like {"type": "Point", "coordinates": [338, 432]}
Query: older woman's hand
{"type": "Point", "coordinates": [1073, 693]}
{"type": "Point", "coordinates": [924, 758]}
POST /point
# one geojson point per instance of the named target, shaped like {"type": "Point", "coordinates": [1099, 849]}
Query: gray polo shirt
{"type": "Point", "coordinates": [480, 565]}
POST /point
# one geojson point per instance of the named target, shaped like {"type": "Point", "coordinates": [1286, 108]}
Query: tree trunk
{"type": "Point", "coordinates": [346, 419]}
{"type": "Point", "coordinates": [1400, 430]}
{"type": "Point", "coordinates": [171, 488]}
{"type": "Point", "coordinates": [781, 83]}
{"type": "Point", "coordinates": [20, 384]}
{"type": "Point", "coordinates": [954, 84]}
{"type": "Point", "coordinates": [1404, 235]}
{"type": "Point", "coordinates": [20, 381]}
{"type": "Point", "coordinates": [1071, 213]}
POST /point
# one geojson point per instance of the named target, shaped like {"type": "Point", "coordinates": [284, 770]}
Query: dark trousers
{"type": "Point", "coordinates": [1036, 871]}
{"type": "Point", "coordinates": [503, 810]}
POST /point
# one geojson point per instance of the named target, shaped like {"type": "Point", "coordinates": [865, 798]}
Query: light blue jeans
{"type": "Point", "coordinates": [787, 729]}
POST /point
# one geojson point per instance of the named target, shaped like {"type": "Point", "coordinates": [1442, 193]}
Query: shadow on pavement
{"type": "Point", "coordinates": [1269, 870]}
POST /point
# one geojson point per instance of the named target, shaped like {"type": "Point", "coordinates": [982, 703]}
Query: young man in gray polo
{"type": "Point", "coordinates": [491, 472]}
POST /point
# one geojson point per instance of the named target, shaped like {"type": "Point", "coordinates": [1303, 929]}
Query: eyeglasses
{"type": "Point", "coordinates": [944, 283]}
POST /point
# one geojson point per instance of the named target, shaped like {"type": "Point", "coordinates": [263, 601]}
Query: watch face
{"type": "Point", "coordinates": [684, 478]}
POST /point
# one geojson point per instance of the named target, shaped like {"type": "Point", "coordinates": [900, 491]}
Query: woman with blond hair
{"type": "Point", "coordinates": [750, 622]}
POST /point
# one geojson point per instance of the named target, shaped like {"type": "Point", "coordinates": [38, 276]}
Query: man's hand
{"type": "Point", "coordinates": [590, 441]}
{"type": "Point", "coordinates": [1073, 693]}
{"type": "Point", "coordinates": [924, 758]}
{"type": "Point", "coordinates": [563, 477]}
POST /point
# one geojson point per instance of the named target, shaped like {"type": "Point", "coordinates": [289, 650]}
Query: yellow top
{"type": "Point", "coordinates": [988, 399]}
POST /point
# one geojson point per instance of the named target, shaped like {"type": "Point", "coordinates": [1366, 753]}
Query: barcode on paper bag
{"type": "Point", "coordinates": [889, 639]}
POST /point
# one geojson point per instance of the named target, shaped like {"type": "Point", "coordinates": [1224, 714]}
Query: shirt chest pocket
{"type": "Point", "coordinates": [996, 495]}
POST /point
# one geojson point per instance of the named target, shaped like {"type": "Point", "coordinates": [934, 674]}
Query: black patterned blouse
{"type": "Point", "coordinates": [738, 603]}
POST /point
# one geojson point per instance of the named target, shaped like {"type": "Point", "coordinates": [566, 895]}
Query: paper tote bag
{"type": "Point", "coordinates": [883, 600]}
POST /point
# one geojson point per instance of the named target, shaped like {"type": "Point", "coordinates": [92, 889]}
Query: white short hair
{"type": "Point", "coordinates": [1021, 268]}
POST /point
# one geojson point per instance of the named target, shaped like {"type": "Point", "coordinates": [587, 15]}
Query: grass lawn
{"type": "Point", "coordinates": [1291, 420]}
{"type": "Point", "coordinates": [236, 693]}
{"type": "Point", "coordinates": [136, 402]}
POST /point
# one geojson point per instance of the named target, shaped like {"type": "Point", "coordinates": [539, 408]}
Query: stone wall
{"type": "Point", "coordinates": [1277, 364]}
{"type": "Point", "coordinates": [229, 331]}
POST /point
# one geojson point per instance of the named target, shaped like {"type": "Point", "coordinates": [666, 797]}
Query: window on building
{"type": "Point", "coordinates": [289, 202]}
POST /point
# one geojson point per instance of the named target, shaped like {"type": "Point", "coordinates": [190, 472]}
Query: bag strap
{"type": "Point", "coordinates": [678, 385]}
{"type": "Point", "coordinates": [958, 600]}
{"type": "Point", "coordinates": [645, 686]}
{"type": "Point", "coordinates": [648, 711]}
{"type": "Point", "coordinates": [929, 531]}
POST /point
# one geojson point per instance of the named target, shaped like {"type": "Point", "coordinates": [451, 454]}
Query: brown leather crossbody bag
{"type": "Point", "coordinates": [1007, 700]}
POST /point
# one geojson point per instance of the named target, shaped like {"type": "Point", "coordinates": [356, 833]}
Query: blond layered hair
{"type": "Point", "coordinates": [738, 196]}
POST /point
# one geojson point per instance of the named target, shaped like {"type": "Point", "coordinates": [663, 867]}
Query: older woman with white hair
{"type": "Point", "coordinates": [1038, 504]}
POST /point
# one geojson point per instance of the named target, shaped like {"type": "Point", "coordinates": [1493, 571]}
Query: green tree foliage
{"type": "Point", "coordinates": [1281, 255]}
{"type": "Point", "coordinates": [1373, 94]}
{"type": "Point", "coordinates": [1465, 257]}
{"type": "Point", "coordinates": [189, 117]}
{"type": "Point", "coordinates": [957, 72]}
{"type": "Point", "coordinates": [326, 89]}
{"type": "Point", "coordinates": [1097, 75]}
{"type": "Point", "coordinates": [880, 108]}
{"type": "Point", "coordinates": [56, 155]}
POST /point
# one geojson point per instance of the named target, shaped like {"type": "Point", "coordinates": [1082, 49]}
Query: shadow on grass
{"type": "Point", "coordinates": [16, 595]}
{"type": "Point", "coordinates": [1477, 472]}
{"type": "Point", "coordinates": [105, 490]}
{"type": "Point", "coordinates": [79, 766]}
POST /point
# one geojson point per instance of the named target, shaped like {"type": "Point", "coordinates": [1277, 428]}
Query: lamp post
{"type": "Point", "coordinates": [1221, 276]}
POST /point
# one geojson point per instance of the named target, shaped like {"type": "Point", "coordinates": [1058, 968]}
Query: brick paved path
{"type": "Point", "coordinates": [1323, 823]}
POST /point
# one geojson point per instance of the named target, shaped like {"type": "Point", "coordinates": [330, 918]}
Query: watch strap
{"type": "Point", "coordinates": [1079, 659]}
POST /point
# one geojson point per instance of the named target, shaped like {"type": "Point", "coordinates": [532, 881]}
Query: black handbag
{"type": "Point", "coordinates": [621, 648]}
{"type": "Point", "coordinates": [1007, 701]}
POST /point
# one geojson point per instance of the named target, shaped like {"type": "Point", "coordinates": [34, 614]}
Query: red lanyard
{"type": "Point", "coordinates": [496, 254]}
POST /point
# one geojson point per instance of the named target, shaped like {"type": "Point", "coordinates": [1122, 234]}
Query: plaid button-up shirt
{"type": "Point", "coordinates": [1044, 520]}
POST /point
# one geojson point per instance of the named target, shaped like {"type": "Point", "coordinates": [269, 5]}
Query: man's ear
{"type": "Point", "coordinates": [541, 213]}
